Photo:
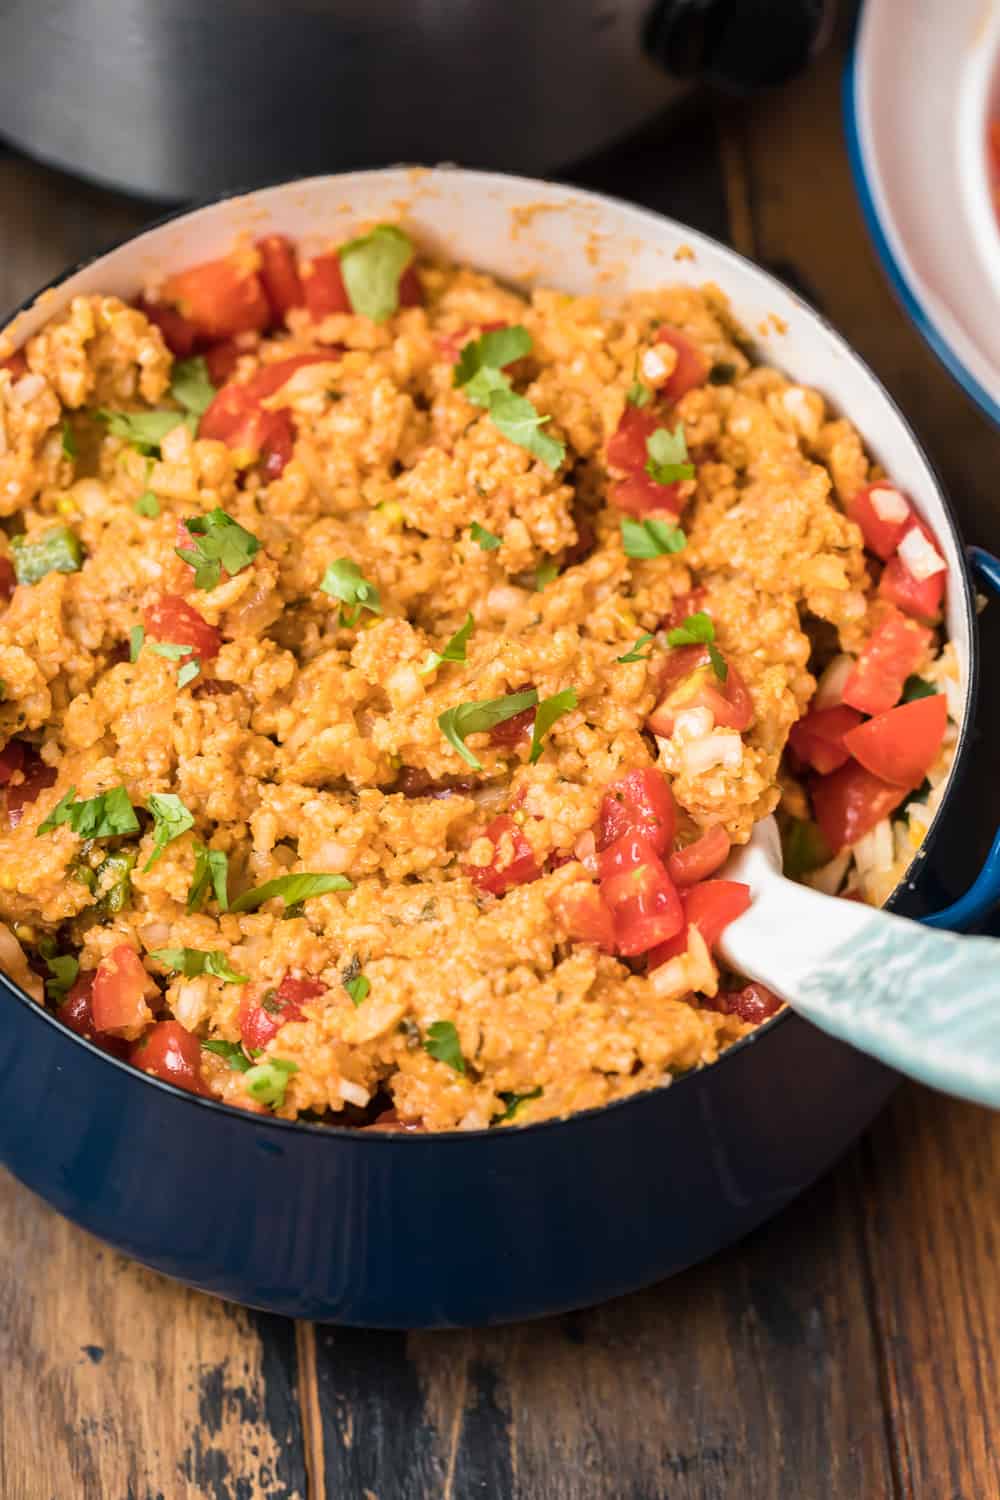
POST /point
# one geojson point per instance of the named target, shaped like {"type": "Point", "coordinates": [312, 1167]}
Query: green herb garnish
{"type": "Point", "coordinates": [233, 1054]}
{"type": "Point", "coordinates": [292, 889]}
{"type": "Point", "coordinates": [456, 724]}
{"type": "Point", "coordinates": [170, 650]}
{"type": "Point", "coordinates": [667, 460]}
{"type": "Point", "coordinates": [637, 653]}
{"type": "Point", "coordinates": [63, 969]}
{"type": "Point", "coordinates": [56, 550]}
{"type": "Point", "coordinates": [651, 538]}
{"type": "Point", "coordinates": [479, 374]}
{"type": "Point", "coordinates": [211, 868]}
{"type": "Point", "coordinates": [917, 687]}
{"type": "Point", "coordinates": [267, 1081]}
{"type": "Point", "coordinates": [638, 395]}
{"type": "Point", "coordinates": [698, 630]}
{"type": "Point", "coordinates": [513, 1103]}
{"type": "Point", "coordinates": [371, 267]}
{"type": "Point", "coordinates": [342, 580]}
{"type": "Point", "coordinates": [170, 819]}
{"type": "Point", "coordinates": [487, 541]}
{"type": "Point", "coordinates": [545, 574]}
{"type": "Point", "coordinates": [188, 672]}
{"type": "Point", "coordinates": [219, 542]}
{"type": "Point", "coordinates": [194, 961]}
{"type": "Point", "coordinates": [441, 1043]}
{"type": "Point", "coordinates": [147, 505]}
{"type": "Point", "coordinates": [491, 351]}
{"type": "Point", "coordinates": [69, 447]}
{"type": "Point", "coordinates": [191, 387]}
{"type": "Point", "coordinates": [453, 650]}
{"type": "Point", "coordinates": [136, 637]}
{"type": "Point", "coordinates": [358, 988]}
{"type": "Point", "coordinates": [546, 714]}
{"type": "Point", "coordinates": [100, 817]}
{"type": "Point", "coordinates": [144, 430]}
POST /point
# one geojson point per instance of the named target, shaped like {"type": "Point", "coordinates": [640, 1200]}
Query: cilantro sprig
{"type": "Point", "coordinates": [218, 542]}
{"type": "Point", "coordinates": [442, 1043]}
{"type": "Point", "coordinates": [101, 817]}
{"type": "Point", "coordinates": [231, 1052]}
{"type": "Point", "coordinates": [651, 538]}
{"type": "Point", "coordinates": [63, 969]}
{"type": "Point", "coordinates": [371, 266]}
{"type": "Point", "coordinates": [667, 456]}
{"type": "Point", "coordinates": [479, 375]}
{"type": "Point", "coordinates": [485, 539]}
{"type": "Point", "coordinates": [194, 961]}
{"type": "Point", "coordinates": [698, 630]}
{"type": "Point", "coordinates": [452, 650]}
{"type": "Point", "coordinates": [170, 819]}
{"type": "Point", "coordinates": [191, 387]}
{"type": "Point", "coordinates": [636, 652]}
{"type": "Point", "coordinates": [546, 714]}
{"type": "Point", "coordinates": [513, 1103]}
{"type": "Point", "coordinates": [292, 889]}
{"type": "Point", "coordinates": [211, 869]}
{"type": "Point", "coordinates": [359, 987]}
{"type": "Point", "coordinates": [456, 724]}
{"type": "Point", "coordinates": [342, 580]}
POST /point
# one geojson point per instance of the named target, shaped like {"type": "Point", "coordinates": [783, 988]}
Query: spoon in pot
{"type": "Point", "coordinates": [925, 1002]}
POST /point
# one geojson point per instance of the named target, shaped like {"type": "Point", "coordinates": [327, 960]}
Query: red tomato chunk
{"type": "Point", "coordinates": [219, 298]}
{"type": "Point", "coordinates": [179, 334]}
{"type": "Point", "coordinates": [640, 802]}
{"type": "Point", "coordinates": [882, 536]}
{"type": "Point", "coordinates": [323, 286]}
{"type": "Point", "coordinates": [896, 649]}
{"type": "Point", "coordinates": [279, 274]}
{"type": "Point", "coordinates": [688, 680]}
{"type": "Point", "coordinates": [121, 983]}
{"type": "Point", "coordinates": [76, 1012]}
{"type": "Point", "coordinates": [513, 861]}
{"type": "Point", "coordinates": [263, 1010]}
{"type": "Point", "coordinates": [921, 597]}
{"type": "Point", "coordinates": [586, 915]}
{"type": "Point", "coordinates": [702, 858]}
{"type": "Point", "coordinates": [642, 897]}
{"type": "Point", "coordinates": [691, 369]}
{"type": "Point", "coordinates": [901, 745]}
{"type": "Point", "coordinates": [171, 618]}
{"type": "Point", "coordinates": [818, 737]}
{"type": "Point", "coordinates": [170, 1052]}
{"type": "Point", "coordinates": [753, 1004]}
{"type": "Point", "coordinates": [11, 760]}
{"type": "Point", "coordinates": [8, 579]}
{"type": "Point", "coordinates": [710, 906]}
{"type": "Point", "coordinates": [850, 802]}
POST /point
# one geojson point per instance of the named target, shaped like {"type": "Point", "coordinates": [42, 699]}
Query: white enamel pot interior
{"type": "Point", "coordinates": [526, 231]}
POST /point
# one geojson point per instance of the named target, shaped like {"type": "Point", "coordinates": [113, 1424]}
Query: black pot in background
{"type": "Point", "coordinates": [174, 99]}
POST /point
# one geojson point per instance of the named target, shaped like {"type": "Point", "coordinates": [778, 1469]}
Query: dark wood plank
{"type": "Point", "coordinates": [120, 1385]}
{"type": "Point", "coordinates": [755, 1375]}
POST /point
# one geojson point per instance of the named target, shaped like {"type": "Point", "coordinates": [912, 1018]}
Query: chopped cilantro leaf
{"type": "Point", "coordinates": [667, 460]}
{"type": "Point", "coordinates": [718, 661]}
{"type": "Point", "coordinates": [194, 961]}
{"type": "Point", "coordinates": [487, 541]}
{"type": "Point", "coordinates": [917, 687]}
{"type": "Point", "coordinates": [191, 387]}
{"type": "Point", "coordinates": [233, 1054]}
{"type": "Point", "coordinates": [638, 395]}
{"type": "Point", "coordinates": [696, 630]}
{"type": "Point", "coordinates": [170, 819]}
{"type": "Point", "coordinates": [637, 653]}
{"type": "Point", "coordinates": [651, 538]}
{"type": "Point", "coordinates": [136, 637]}
{"type": "Point", "coordinates": [492, 350]}
{"type": "Point", "coordinates": [479, 374]}
{"type": "Point", "coordinates": [546, 714]}
{"type": "Point", "coordinates": [371, 267]}
{"type": "Point", "coordinates": [441, 1043]}
{"type": "Point", "coordinates": [211, 868]}
{"type": "Point", "coordinates": [293, 890]}
{"type": "Point", "coordinates": [513, 1103]}
{"type": "Point", "coordinates": [188, 672]}
{"type": "Point", "coordinates": [453, 650]}
{"type": "Point", "coordinates": [342, 580]}
{"type": "Point", "coordinates": [358, 988]}
{"type": "Point", "coordinates": [219, 542]}
{"type": "Point", "coordinates": [145, 430]}
{"type": "Point", "coordinates": [63, 969]}
{"type": "Point", "coordinates": [517, 419]}
{"type": "Point", "coordinates": [100, 817]}
{"type": "Point", "coordinates": [545, 574]}
{"type": "Point", "coordinates": [456, 724]}
{"type": "Point", "coordinates": [69, 447]}
{"type": "Point", "coordinates": [147, 505]}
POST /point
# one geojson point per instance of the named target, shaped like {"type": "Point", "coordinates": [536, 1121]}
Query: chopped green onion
{"type": "Point", "coordinates": [56, 550]}
{"type": "Point", "coordinates": [267, 1081]}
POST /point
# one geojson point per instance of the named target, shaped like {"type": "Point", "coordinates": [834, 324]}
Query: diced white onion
{"type": "Point", "coordinates": [693, 723]}
{"type": "Point", "coordinates": [191, 1003]}
{"type": "Point", "coordinates": [721, 748]}
{"type": "Point", "coordinates": [953, 693]}
{"type": "Point", "coordinates": [829, 877]}
{"type": "Point", "coordinates": [653, 366]}
{"type": "Point", "coordinates": [830, 689]}
{"type": "Point", "coordinates": [889, 505]}
{"type": "Point", "coordinates": [26, 389]}
{"type": "Point", "coordinates": [919, 557]}
{"type": "Point", "coordinates": [874, 852]}
{"type": "Point", "coordinates": [353, 1093]}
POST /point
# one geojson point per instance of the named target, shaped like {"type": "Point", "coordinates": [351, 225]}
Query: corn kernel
{"type": "Point", "coordinates": [395, 762]}
{"type": "Point", "coordinates": [7, 881]}
{"type": "Point", "coordinates": [24, 932]}
{"type": "Point", "coordinates": [392, 512]}
{"type": "Point", "coordinates": [65, 507]}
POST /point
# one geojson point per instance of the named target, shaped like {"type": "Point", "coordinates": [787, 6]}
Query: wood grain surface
{"type": "Point", "coordinates": [847, 1351]}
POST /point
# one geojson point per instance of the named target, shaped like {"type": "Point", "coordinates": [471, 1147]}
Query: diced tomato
{"type": "Point", "coordinates": [635, 884]}
{"type": "Point", "coordinates": [627, 445]}
{"type": "Point", "coordinates": [279, 273]}
{"type": "Point", "coordinates": [35, 778]}
{"type": "Point", "coordinates": [818, 737]}
{"type": "Point", "coordinates": [638, 802]}
{"type": "Point", "coordinates": [272, 377]}
{"type": "Point", "coordinates": [389, 1119]}
{"type": "Point", "coordinates": [881, 537]}
{"type": "Point", "coordinates": [710, 906]}
{"type": "Point", "coordinates": [921, 597]}
{"type": "Point", "coordinates": [753, 1003]}
{"type": "Point", "coordinates": [411, 291]}
{"type": "Point", "coordinates": [170, 1052]}
{"type": "Point", "coordinates": [179, 334]}
{"type": "Point", "coordinates": [219, 297]}
{"type": "Point", "coordinates": [118, 1000]}
{"type": "Point", "coordinates": [691, 368]}
{"type": "Point", "coordinates": [277, 442]}
{"type": "Point", "coordinates": [171, 618]}
{"type": "Point", "coordinates": [11, 760]}
{"type": "Point", "coordinates": [683, 606]}
{"type": "Point", "coordinates": [221, 360]}
{"type": "Point", "coordinates": [638, 494]}
{"type": "Point", "coordinates": [702, 858]}
{"type": "Point", "coordinates": [895, 650]}
{"type": "Point", "coordinates": [16, 364]}
{"type": "Point", "coordinates": [234, 417]}
{"type": "Point", "coordinates": [264, 1011]}
{"type": "Point", "coordinates": [513, 862]}
{"type": "Point", "coordinates": [8, 579]}
{"type": "Point", "coordinates": [76, 1013]}
{"type": "Point", "coordinates": [688, 680]}
{"type": "Point", "coordinates": [586, 915]}
{"type": "Point", "coordinates": [901, 745]}
{"type": "Point", "coordinates": [848, 803]}
{"type": "Point", "coordinates": [323, 286]}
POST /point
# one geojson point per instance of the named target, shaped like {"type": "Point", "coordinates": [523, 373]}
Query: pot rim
{"type": "Point", "coordinates": [959, 762]}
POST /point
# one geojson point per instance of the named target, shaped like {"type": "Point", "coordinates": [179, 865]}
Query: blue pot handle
{"type": "Point", "coordinates": [984, 893]}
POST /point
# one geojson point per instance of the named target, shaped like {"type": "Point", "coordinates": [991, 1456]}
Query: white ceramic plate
{"type": "Point", "coordinates": [912, 147]}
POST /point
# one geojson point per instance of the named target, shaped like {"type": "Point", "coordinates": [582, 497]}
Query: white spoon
{"type": "Point", "coordinates": [923, 1001]}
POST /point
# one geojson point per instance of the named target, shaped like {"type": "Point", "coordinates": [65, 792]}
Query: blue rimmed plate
{"type": "Point", "coordinates": [909, 68]}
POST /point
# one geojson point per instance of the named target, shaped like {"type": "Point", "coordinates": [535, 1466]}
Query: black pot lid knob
{"type": "Point", "coordinates": [739, 45]}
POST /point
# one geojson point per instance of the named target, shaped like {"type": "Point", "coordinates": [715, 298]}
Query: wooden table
{"type": "Point", "coordinates": [845, 1351]}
